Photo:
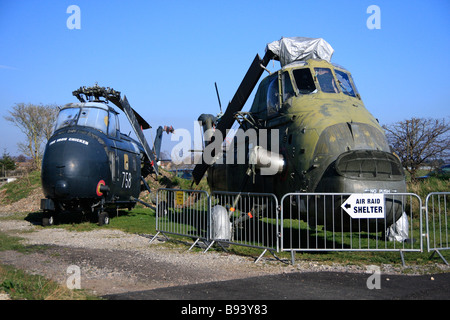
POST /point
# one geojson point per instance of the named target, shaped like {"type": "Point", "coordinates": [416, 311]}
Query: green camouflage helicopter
{"type": "Point", "coordinates": [326, 141]}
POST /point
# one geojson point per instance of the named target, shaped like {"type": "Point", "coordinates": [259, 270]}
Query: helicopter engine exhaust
{"type": "Point", "coordinates": [268, 162]}
{"type": "Point", "coordinates": [207, 121]}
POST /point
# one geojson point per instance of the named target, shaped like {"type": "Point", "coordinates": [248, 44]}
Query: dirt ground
{"type": "Point", "coordinates": [112, 261]}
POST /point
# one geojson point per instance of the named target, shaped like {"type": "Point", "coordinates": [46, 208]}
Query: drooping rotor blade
{"type": "Point", "coordinates": [138, 131]}
{"type": "Point", "coordinates": [158, 139]}
{"type": "Point", "coordinates": [244, 91]}
{"type": "Point", "coordinates": [157, 142]}
{"type": "Point", "coordinates": [141, 121]}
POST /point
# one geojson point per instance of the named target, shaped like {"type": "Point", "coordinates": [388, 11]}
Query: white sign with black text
{"type": "Point", "coordinates": [365, 205]}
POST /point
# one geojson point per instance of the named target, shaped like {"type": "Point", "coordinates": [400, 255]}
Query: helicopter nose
{"type": "Point", "coordinates": [61, 188]}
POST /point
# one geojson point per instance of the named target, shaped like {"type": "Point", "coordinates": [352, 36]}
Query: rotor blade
{"type": "Point", "coordinates": [157, 143]}
{"type": "Point", "coordinates": [246, 87]}
{"type": "Point", "coordinates": [144, 124]}
{"type": "Point", "coordinates": [218, 97]}
{"type": "Point", "coordinates": [138, 131]}
{"type": "Point", "coordinates": [141, 121]}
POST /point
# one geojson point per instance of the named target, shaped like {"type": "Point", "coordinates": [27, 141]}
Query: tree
{"type": "Point", "coordinates": [7, 163]}
{"type": "Point", "coordinates": [36, 122]}
{"type": "Point", "coordinates": [21, 158]}
{"type": "Point", "coordinates": [418, 141]}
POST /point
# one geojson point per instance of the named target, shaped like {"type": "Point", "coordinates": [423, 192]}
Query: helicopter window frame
{"type": "Point", "coordinates": [304, 81]}
{"type": "Point", "coordinates": [273, 97]}
{"type": "Point", "coordinates": [113, 125]}
{"type": "Point", "coordinates": [67, 117]}
{"type": "Point", "coordinates": [287, 88]}
{"type": "Point", "coordinates": [345, 82]}
{"type": "Point", "coordinates": [326, 79]}
{"type": "Point", "coordinates": [98, 120]}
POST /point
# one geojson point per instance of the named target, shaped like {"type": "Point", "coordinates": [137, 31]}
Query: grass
{"type": "Point", "coordinates": [137, 221]}
{"type": "Point", "coordinates": [424, 187]}
{"type": "Point", "coordinates": [11, 243]}
{"type": "Point", "coordinates": [21, 188]}
{"type": "Point", "coordinates": [20, 285]}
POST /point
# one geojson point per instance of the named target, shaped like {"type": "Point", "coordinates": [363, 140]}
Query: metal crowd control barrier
{"type": "Point", "coordinates": [183, 212]}
{"type": "Point", "coordinates": [318, 222]}
{"type": "Point", "coordinates": [306, 221]}
{"type": "Point", "coordinates": [245, 219]}
{"type": "Point", "coordinates": [437, 222]}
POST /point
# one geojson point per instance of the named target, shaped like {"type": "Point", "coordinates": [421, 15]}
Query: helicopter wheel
{"type": "Point", "coordinates": [48, 219]}
{"type": "Point", "coordinates": [103, 218]}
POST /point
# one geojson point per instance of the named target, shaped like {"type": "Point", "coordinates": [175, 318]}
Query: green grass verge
{"type": "Point", "coordinates": [20, 285]}
{"type": "Point", "coordinates": [21, 188]}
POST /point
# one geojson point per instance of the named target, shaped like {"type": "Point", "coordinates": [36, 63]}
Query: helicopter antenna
{"type": "Point", "coordinates": [218, 97]}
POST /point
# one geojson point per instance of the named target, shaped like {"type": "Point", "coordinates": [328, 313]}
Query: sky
{"type": "Point", "coordinates": [165, 56]}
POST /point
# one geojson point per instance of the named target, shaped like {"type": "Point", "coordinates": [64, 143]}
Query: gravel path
{"type": "Point", "coordinates": [112, 261]}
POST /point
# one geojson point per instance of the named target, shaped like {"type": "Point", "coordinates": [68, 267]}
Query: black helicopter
{"type": "Point", "coordinates": [327, 141]}
{"type": "Point", "coordinates": [89, 165]}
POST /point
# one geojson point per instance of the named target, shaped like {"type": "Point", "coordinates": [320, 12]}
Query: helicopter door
{"type": "Point", "coordinates": [280, 89]}
{"type": "Point", "coordinates": [113, 164]}
{"type": "Point", "coordinates": [113, 131]}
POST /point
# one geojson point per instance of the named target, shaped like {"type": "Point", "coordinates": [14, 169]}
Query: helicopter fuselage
{"type": "Point", "coordinates": [88, 163]}
{"type": "Point", "coordinates": [329, 141]}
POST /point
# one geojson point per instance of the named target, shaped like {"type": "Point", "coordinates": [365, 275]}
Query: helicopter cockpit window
{"type": "Point", "coordinates": [344, 83]}
{"type": "Point", "coordinates": [94, 118]}
{"type": "Point", "coordinates": [112, 129]}
{"type": "Point", "coordinates": [273, 102]}
{"type": "Point", "coordinates": [304, 81]}
{"type": "Point", "coordinates": [326, 80]}
{"type": "Point", "coordinates": [67, 117]}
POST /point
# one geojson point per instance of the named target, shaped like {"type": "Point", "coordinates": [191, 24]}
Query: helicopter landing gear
{"type": "Point", "coordinates": [50, 212]}
{"type": "Point", "coordinates": [103, 218]}
{"type": "Point", "coordinates": [48, 218]}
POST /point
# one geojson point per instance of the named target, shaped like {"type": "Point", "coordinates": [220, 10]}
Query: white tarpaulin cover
{"type": "Point", "coordinates": [288, 50]}
{"type": "Point", "coordinates": [399, 230]}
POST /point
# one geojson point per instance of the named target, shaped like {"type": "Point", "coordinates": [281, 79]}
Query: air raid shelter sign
{"type": "Point", "coordinates": [365, 205]}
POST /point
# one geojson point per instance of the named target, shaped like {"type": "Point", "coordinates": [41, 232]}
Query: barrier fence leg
{"type": "Point", "coordinates": [260, 256]}
{"type": "Point", "coordinates": [440, 255]}
{"type": "Point", "coordinates": [210, 245]}
{"type": "Point", "coordinates": [193, 245]}
{"type": "Point", "coordinates": [403, 258]}
{"type": "Point", "coordinates": [293, 257]}
{"type": "Point", "coordinates": [154, 237]}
